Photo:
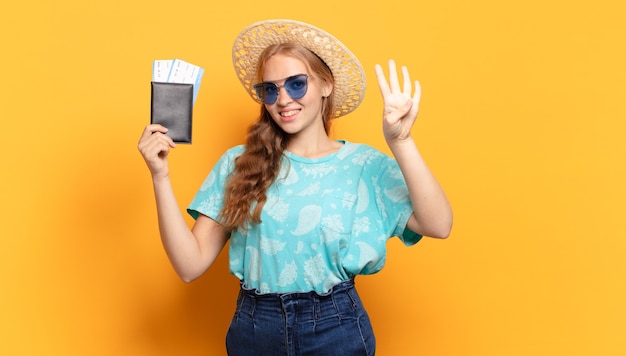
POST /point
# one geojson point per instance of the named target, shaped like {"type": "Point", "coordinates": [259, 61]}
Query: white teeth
{"type": "Point", "coordinates": [288, 113]}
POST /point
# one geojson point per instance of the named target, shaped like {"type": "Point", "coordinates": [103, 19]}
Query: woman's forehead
{"type": "Point", "coordinates": [281, 66]}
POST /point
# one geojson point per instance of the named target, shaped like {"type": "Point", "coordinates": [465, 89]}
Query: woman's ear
{"type": "Point", "coordinates": [327, 88]}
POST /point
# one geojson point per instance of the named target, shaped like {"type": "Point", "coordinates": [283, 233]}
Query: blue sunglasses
{"type": "Point", "coordinates": [295, 86]}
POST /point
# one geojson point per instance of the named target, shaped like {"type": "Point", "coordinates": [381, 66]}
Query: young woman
{"type": "Point", "coordinates": [304, 213]}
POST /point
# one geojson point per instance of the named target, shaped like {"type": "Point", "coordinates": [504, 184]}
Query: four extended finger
{"type": "Point", "coordinates": [382, 81]}
{"type": "Point", "coordinates": [417, 96]}
{"type": "Point", "coordinates": [394, 84]}
{"type": "Point", "coordinates": [406, 78]}
{"type": "Point", "coordinates": [393, 77]}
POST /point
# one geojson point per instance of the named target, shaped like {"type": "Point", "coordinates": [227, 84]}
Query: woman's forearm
{"type": "Point", "coordinates": [190, 254]}
{"type": "Point", "coordinates": [432, 210]}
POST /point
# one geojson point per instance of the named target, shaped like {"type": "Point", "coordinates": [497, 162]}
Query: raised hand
{"type": "Point", "coordinates": [400, 108]}
{"type": "Point", "coordinates": [155, 146]}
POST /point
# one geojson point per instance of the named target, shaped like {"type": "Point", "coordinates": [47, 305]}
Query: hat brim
{"type": "Point", "coordinates": [346, 69]}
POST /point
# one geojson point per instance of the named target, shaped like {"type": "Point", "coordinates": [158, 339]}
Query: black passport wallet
{"type": "Point", "coordinates": [172, 106]}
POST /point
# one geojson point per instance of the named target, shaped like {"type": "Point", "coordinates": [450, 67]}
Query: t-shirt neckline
{"type": "Point", "coordinates": [295, 157]}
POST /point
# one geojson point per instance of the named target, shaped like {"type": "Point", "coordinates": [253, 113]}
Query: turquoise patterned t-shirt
{"type": "Point", "coordinates": [325, 221]}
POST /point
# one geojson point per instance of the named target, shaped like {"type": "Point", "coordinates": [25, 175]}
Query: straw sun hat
{"type": "Point", "coordinates": [346, 68]}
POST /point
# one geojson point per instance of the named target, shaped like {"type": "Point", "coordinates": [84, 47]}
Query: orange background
{"type": "Point", "coordinates": [523, 118]}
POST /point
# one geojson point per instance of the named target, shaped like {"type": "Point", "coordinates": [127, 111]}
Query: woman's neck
{"type": "Point", "coordinates": [313, 147]}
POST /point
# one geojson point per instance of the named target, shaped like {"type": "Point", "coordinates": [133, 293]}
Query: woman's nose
{"type": "Point", "coordinates": [283, 96]}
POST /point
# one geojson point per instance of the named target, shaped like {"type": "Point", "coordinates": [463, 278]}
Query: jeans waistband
{"type": "Point", "coordinates": [341, 301]}
{"type": "Point", "coordinates": [337, 288]}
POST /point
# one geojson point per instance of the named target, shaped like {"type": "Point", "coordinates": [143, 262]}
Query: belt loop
{"type": "Point", "coordinates": [240, 297]}
{"type": "Point", "coordinates": [316, 307]}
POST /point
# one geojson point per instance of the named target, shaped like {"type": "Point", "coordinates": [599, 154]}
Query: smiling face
{"type": "Point", "coordinates": [295, 116]}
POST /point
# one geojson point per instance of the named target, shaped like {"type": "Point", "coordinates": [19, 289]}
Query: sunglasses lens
{"type": "Point", "coordinates": [295, 86]}
{"type": "Point", "coordinates": [267, 92]}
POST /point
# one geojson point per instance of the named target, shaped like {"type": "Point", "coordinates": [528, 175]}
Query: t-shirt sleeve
{"type": "Point", "coordinates": [394, 202]}
{"type": "Point", "coordinates": [210, 197]}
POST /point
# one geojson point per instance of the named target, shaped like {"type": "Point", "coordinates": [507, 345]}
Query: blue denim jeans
{"type": "Point", "coordinates": [298, 324]}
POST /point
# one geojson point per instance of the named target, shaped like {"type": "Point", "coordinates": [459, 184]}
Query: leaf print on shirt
{"type": "Point", "coordinates": [379, 199]}
{"type": "Point", "coordinates": [211, 206]}
{"type": "Point", "coordinates": [319, 170]}
{"type": "Point", "coordinates": [332, 227]}
{"type": "Point", "coordinates": [288, 275]}
{"type": "Point", "coordinates": [397, 194]}
{"type": "Point", "coordinates": [229, 163]}
{"type": "Point", "coordinates": [396, 173]}
{"type": "Point", "coordinates": [314, 270]}
{"type": "Point", "coordinates": [361, 225]}
{"type": "Point", "coordinates": [276, 208]}
{"type": "Point", "coordinates": [368, 255]}
{"type": "Point", "coordinates": [310, 190]}
{"type": "Point", "coordinates": [210, 179]}
{"type": "Point", "coordinates": [287, 176]}
{"type": "Point", "coordinates": [254, 264]}
{"type": "Point", "coordinates": [308, 219]}
{"type": "Point", "coordinates": [271, 246]}
{"type": "Point", "coordinates": [365, 157]}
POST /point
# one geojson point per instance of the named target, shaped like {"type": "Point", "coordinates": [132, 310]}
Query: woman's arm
{"type": "Point", "coordinates": [191, 251]}
{"type": "Point", "coordinates": [432, 214]}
